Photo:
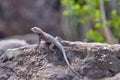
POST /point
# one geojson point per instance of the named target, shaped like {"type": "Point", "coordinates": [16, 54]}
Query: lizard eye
{"type": "Point", "coordinates": [35, 29]}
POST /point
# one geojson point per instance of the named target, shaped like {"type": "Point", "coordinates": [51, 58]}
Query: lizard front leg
{"type": "Point", "coordinates": [38, 42]}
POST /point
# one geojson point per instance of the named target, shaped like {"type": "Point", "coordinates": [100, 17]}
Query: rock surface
{"type": "Point", "coordinates": [92, 61]}
{"type": "Point", "coordinates": [10, 44]}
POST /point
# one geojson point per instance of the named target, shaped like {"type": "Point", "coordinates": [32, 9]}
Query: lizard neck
{"type": "Point", "coordinates": [43, 34]}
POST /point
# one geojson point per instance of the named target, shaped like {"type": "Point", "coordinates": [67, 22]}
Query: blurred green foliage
{"type": "Point", "coordinates": [86, 10]}
{"type": "Point", "coordinates": [94, 35]}
{"type": "Point", "coordinates": [114, 24]}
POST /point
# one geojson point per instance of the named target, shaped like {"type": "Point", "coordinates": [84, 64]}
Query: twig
{"type": "Point", "coordinates": [106, 31]}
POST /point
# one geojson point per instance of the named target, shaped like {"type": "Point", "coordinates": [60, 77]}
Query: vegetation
{"type": "Point", "coordinates": [90, 10]}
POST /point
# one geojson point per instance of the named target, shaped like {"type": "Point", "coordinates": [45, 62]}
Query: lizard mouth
{"type": "Point", "coordinates": [34, 29]}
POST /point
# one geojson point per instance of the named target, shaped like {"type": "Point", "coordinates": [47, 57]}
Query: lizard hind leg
{"type": "Point", "coordinates": [59, 39]}
{"type": "Point", "coordinates": [51, 47]}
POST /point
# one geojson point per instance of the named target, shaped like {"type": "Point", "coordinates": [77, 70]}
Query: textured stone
{"type": "Point", "coordinates": [92, 61]}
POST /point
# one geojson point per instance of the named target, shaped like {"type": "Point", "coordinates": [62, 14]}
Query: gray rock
{"type": "Point", "coordinates": [92, 61]}
{"type": "Point", "coordinates": [10, 44]}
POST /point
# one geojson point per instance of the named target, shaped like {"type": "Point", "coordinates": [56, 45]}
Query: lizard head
{"type": "Point", "coordinates": [36, 30]}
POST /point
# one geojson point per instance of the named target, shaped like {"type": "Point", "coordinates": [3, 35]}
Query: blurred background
{"type": "Point", "coordinates": [84, 20]}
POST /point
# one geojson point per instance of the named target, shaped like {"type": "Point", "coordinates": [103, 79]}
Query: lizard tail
{"type": "Point", "coordinates": [66, 60]}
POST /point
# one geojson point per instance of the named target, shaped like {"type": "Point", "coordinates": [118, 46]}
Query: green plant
{"type": "Point", "coordinates": [89, 9]}
{"type": "Point", "coordinates": [114, 24]}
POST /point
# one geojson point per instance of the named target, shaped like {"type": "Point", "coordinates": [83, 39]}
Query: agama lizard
{"type": "Point", "coordinates": [48, 38]}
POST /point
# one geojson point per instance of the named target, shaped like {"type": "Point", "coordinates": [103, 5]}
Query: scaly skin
{"type": "Point", "coordinates": [48, 38]}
